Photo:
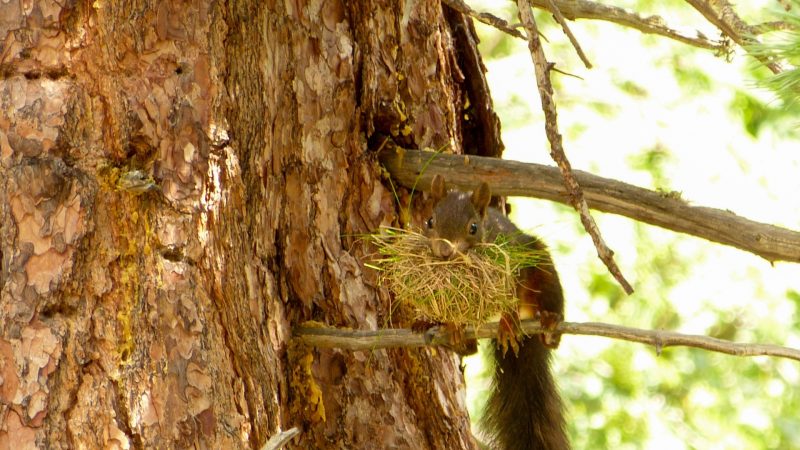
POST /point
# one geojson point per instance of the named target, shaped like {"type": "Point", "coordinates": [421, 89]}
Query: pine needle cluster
{"type": "Point", "coordinates": [782, 46]}
{"type": "Point", "coordinates": [468, 289]}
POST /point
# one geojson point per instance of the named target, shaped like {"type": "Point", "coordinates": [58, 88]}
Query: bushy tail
{"type": "Point", "coordinates": [524, 410]}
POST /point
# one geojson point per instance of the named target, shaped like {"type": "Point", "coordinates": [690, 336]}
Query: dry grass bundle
{"type": "Point", "coordinates": [469, 289]}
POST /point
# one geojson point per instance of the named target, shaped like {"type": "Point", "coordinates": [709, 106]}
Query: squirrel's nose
{"type": "Point", "coordinates": [442, 248]}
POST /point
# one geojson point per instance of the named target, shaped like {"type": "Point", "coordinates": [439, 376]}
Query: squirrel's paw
{"type": "Point", "coordinates": [550, 321]}
{"type": "Point", "coordinates": [507, 335]}
{"type": "Point", "coordinates": [421, 326]}
{"type": "Point", "coordinates": [448, 335]}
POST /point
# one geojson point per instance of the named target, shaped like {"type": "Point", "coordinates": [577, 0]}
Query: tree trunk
{"type": "Point", "coordinates": [183, 183]}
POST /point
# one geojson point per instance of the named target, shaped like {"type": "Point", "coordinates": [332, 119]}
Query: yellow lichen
{"type": "Point", "coordinates": [310, 403]}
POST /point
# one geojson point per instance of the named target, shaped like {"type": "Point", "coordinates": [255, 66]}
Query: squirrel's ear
{"type": "Point", "coordinates": [438, 187]}
{"type": "Point", "coordinates": [481, 197]}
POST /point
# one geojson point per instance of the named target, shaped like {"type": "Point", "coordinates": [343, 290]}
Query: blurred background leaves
{"type": "Point", "coordinates": [662, 115]}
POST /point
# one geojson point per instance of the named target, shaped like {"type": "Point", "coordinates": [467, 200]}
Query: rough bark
{"type": "Point", "coordinates": [160, 316]}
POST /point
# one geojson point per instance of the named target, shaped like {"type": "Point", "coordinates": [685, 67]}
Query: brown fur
{"type": "Point", "coordinates": [524, 410]}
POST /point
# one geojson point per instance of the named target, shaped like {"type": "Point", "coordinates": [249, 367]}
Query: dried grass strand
{"type": "Point", "coordinates": [469, 289]}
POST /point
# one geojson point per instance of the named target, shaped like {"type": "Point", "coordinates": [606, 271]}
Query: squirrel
{"type": "Point", "coordinates": [524, 409]}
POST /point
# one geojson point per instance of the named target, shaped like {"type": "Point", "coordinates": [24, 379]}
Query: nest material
{"type": "Point", "coordinates": [469, 289]}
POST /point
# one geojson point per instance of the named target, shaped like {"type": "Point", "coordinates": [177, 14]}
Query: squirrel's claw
{"type": "Point", "coordinates": [507, 335]}
{"type": "Point", "coordinates": [550, 321]}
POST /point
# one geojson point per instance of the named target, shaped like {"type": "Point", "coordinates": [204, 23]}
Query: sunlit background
{"type": "Point", "coordinates": [662, 115]}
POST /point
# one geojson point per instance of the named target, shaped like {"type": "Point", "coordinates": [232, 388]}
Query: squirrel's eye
{"type": "Point", "coordinates": [429, 223]}
{"type": "Point", "coordinates": [473, 228]}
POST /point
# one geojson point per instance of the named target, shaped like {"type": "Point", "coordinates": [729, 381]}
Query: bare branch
{"type": "Point", "coordinates": [324, 337]}
{"type": "Point", "coordinates": [582, 9]}
{"type": "Point", "coordinates": [410, 167]}
{"type": "Point", "coordinates": [484, 17]}
{"type": "Point", "coordinates": [542, 69]}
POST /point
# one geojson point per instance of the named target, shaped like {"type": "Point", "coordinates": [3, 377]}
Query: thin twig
{"type": "Point", "coordinates": [563, 22]}
{"type": "Point", "coordinates": [776, 25]}
{"type": "Point", "coordinates": [324, 337]}
{"type": "Point", "coordinates": [484, 17]}
{"type": "Point", "coordinates": [723, 16]}
{"type": "Point", "coordinates": [583, 9]}
{"type": "Point", "coordinates": [277, 441]}
{"type": "Point", "coordinates": [542, 69]}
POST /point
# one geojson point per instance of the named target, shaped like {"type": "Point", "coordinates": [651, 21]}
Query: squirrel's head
{"type": "Point", "coordinates": [458, 220]}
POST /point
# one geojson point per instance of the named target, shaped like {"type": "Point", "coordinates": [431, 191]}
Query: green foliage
{"type": "Point", "coordinates": [645, 117]}
{"type": "Point", "coordinates": [794, 296]}
{"type": "Point", "coordinates": [692, 79]}
{"type": "Point", "coordinates": [605, 287]}
{"type": "Point", "coordinates": [656, 6]}
{"type": "Point", "coordinates": [502, 46]}
{"type": "Point", "coordinates": [754, 113]}
{"type": "Point", "coordinates": [497, 45]}
{"type": "Point", "coordinates": [783, 47]}
{"type": "Point", "coordinates": [519, 111]}
{"type": "Point", "coordinates": [605, 109]}
{"type": "Point", "coordinates": [632, 88]}
{"type": "Point", "coordinates": [652, 160]}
